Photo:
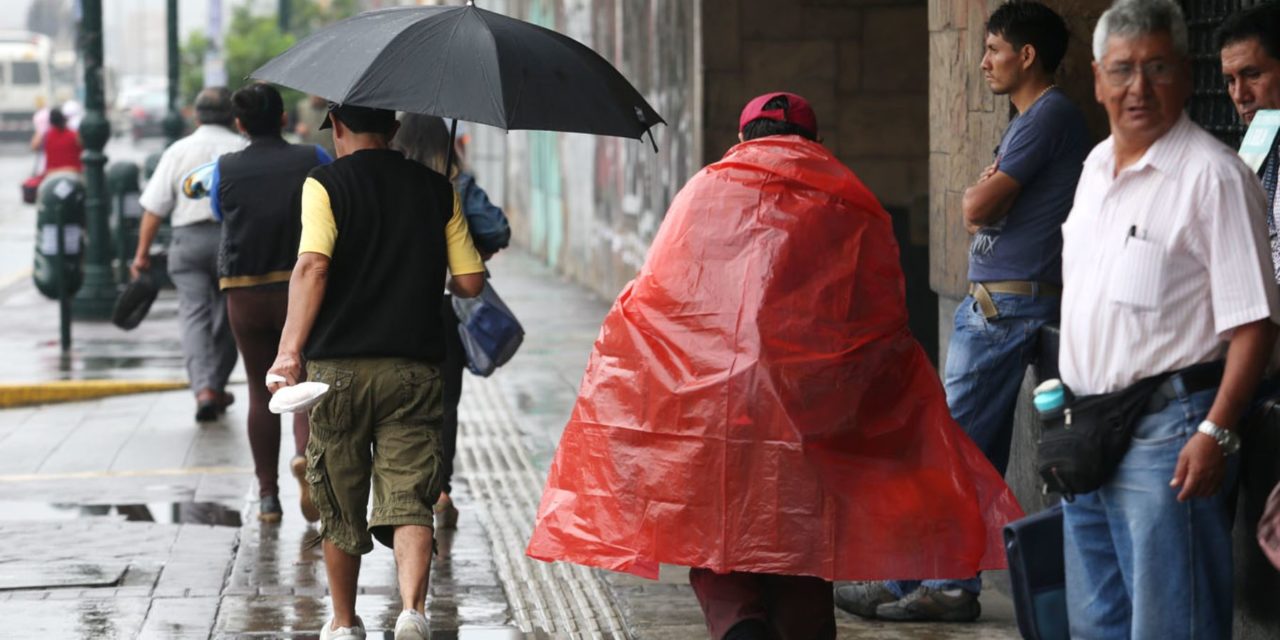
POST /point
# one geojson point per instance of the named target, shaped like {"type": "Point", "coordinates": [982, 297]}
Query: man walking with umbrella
{"type": "Point", "coordinates": [378, 233]}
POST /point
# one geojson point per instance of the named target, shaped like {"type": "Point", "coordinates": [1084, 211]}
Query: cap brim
{"type": "Point", "coordinates": [327, 124]}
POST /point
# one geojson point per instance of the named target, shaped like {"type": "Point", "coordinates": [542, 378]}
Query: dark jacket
{"type": "Point", "coordinates": [258, 194]}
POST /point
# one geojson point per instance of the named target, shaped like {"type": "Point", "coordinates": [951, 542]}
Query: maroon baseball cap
{"type": "Point", "coordinates": [798, 112]}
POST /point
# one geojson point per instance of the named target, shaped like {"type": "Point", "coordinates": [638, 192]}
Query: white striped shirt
{"type": "Point", "coordinates": [1161, 262]}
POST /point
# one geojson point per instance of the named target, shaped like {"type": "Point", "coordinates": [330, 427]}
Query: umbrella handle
{"type": "Point", "coordinates": [453, 136]}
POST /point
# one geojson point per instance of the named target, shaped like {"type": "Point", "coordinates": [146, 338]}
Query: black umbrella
{"type": "Point", "coordinates": [465, 63]}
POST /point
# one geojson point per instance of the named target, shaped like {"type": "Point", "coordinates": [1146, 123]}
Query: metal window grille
{"type": "Point", "coordinates": [1210, 107]}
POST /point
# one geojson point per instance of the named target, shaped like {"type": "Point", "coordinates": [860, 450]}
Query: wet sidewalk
{"type": "Point", "coordinates": [126, 519]}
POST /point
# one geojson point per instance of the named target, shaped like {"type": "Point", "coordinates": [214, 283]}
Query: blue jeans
{"type": "Point", "coordinates": [1140, 564]}
{"type": "Point", "coordinates": [986, 363]}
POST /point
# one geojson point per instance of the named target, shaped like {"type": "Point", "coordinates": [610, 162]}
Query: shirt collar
{"type": "Point", "coordinates": [1163, 154]}
{"type": "Point", "coordinates": [213, 130]}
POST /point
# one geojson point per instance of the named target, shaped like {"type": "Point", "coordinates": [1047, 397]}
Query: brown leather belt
{"type": "Point", "coordinates": [981, 292]}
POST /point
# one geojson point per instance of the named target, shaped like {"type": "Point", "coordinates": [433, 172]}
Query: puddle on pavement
{"type": "Point", "coordinates": [210, 513]}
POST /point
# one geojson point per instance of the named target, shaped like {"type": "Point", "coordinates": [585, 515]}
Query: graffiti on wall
{"type": "Point", "coordinates": [593, 204]}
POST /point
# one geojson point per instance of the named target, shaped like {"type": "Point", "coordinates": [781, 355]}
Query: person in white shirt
{"type": "Point", "coordinates": [1167, 271]}
{"type": "Point", "coordinates": [208, 346]}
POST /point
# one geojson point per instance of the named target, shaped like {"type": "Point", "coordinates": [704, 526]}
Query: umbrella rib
{"type": "Point", "coordinates": [497, 65]}
{"type": "Point", "coordinates": [449, 47]}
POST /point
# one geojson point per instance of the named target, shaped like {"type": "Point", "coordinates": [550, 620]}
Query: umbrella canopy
{"type": "Point", "coordinates": [466, 63]}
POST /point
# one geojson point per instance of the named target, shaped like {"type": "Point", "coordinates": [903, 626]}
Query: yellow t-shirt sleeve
{"type": "Point", "coordinates": [319, 231]}
{"type": "Point", "coordinates": [463, 257]}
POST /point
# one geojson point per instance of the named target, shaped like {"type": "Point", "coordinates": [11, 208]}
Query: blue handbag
{"type": "Point", "coordinates": [1037, 575]}
{"type": "Point", "coordinates": [490, 333]}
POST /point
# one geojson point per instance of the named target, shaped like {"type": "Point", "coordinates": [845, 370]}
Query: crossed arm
{"type": "Point", "coordinates": [988, 201]}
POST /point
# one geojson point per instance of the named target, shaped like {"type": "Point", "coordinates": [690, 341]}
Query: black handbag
{"type": "Point", "coordinates": [1082, 444]}
{"type": "Point", "coordinates": [1037, 574]}
{"type": "Point", "coordinates": [135, 301]}
{"type": "Point", "coordinates": [31, 186]}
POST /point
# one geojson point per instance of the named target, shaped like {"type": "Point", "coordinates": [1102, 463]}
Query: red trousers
{"type": "Point", "coordinates": [793, 607]}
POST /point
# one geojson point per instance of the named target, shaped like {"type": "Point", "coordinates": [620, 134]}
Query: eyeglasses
{"type": "Point", "coordinates": [1157, 71]}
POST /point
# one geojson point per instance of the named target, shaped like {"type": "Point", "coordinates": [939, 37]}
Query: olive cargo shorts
{"type": "Point", "coordinates": [379, 422]}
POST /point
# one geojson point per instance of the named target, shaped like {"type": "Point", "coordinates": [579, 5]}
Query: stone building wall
{"type": "Point", "coordinates": [590, 206]}
{"type": "Point", "coordinates": [860, 63]}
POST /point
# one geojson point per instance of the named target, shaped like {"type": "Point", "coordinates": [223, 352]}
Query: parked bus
{"type": "Point", "coordinates": [26, 81]}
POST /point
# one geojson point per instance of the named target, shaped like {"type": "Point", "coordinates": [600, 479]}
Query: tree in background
{"type": "Point", "coordinates": [252, 39]}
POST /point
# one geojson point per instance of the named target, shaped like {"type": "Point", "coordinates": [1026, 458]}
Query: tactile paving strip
{"type": "Point", "coordinates": [560, 599]}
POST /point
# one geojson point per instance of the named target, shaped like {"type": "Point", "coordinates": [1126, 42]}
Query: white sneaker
{"type": "Point", "coordinates": [412, 625]}
{"type": "Point", "coordinates": [342, 633]}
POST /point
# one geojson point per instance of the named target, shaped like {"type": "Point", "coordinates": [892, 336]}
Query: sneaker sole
{"type": "Point", "coordinates": [966, 615]}
{"type": "Point", "coordinates": [412, 633]}
{"type": "Point", "coordinates": [308, 506]}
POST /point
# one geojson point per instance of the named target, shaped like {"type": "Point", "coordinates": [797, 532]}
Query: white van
{"type": "Point", "coordinates": [26, 80]}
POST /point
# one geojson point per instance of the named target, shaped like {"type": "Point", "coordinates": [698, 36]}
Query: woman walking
{"type": "Point", "coordinates": [425, 139]}
{"type": "Point", "coordinates": [257, 193]}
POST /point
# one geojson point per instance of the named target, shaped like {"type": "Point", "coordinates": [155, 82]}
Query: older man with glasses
{"type": "Point", "coordinates": [1167, 276]}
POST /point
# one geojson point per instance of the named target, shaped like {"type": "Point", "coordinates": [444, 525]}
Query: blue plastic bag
{"type": "Point", "coordinates": [490, 333]}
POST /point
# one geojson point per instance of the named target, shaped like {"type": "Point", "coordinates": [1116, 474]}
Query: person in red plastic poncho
{"type": "Point", "coordinates": [756, 409]}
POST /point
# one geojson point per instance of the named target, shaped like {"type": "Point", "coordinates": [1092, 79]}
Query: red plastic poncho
{"type": "Point", "coordinates": [755, 401]}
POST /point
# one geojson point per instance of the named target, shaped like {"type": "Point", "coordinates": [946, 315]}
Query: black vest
{"type": "Point", "coordinates": [387, 275]}
{"type": "Point", "coordinates": [260, 196]}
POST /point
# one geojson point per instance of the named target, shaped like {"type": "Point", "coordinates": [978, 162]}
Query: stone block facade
{"type": "Point", "coordinates": [590, 206]}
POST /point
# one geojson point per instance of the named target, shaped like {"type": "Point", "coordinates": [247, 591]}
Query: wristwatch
{"type": "Point", "coordinates": [1227, 439]}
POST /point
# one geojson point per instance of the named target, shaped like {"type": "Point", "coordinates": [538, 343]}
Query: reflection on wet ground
{"type": "Point", "coordinates": [46, 575]}
{"type": "Point", "coordinates": [278, 587]}
{"type": "Point", "coordinates": [209, 513]}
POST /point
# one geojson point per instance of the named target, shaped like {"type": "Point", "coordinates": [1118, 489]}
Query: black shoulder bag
{"type": "Point", "coordinates": [1081, 445]}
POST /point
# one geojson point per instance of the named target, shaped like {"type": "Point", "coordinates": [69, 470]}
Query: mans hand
{"type": "Point", "coordinates": [1201, 466]}
{"type": "Point", "coordinates": [141, 262]}
{"type": "Point", "coordinates": [989, 171]}
{"type": "Point", "coordinates": [287, 366]}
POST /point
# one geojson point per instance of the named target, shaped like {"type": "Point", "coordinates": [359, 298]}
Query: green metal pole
{"type": "Point", "coordinates": [98, 294]}
{"type": "Point", "coordinates": [173, 124]}
{"type": "Point", "coordinates": [64, 298]}
{"type": "Point", "coordinates": [283, 15]}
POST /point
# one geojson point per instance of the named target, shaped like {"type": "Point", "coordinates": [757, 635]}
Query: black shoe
{"type": "Point", "coordinates": [932, 605]}
{"type": "Point", "coordinates": [211, 408]}
{"type": "Point", "coordinates": [862, 598]}
{"type": "Point", "coordinates": [269, 509]}
{"type": "Point", "coordinates": [208, 410]}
